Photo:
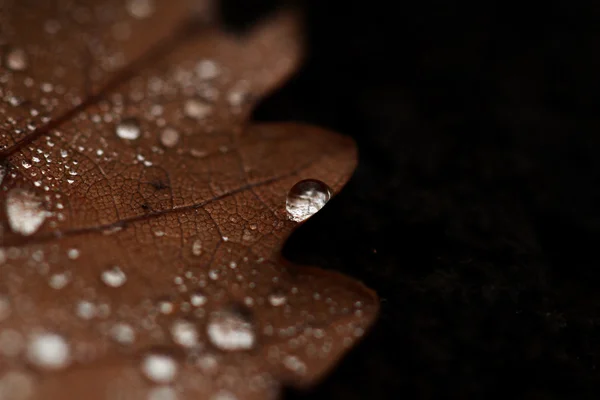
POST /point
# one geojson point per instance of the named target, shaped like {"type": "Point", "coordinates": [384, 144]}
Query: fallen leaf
{"type": "Point", "coordinates": [143, 217]}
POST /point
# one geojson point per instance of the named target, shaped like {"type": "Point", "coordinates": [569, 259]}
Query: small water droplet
{"type": "Point", "coordinates": [128, 128]}
{"type": "Point", "coordinates": [86, 310]}
{"type": "Point", "coordinates": [165, 306]}
{"type": "Point", "coordinates": [59, 281]}
{"type": "Point", "coordinates": [113, 277]}
{"type": "Point", "coordinates": [49, 351]}
{"type": "Point", "coordinates": [231, 330]}
{"type": "Point", "coordinates": [198, 299]}
{"type": "Point", "coordinates": [122, 333]}
{"type": "Point", "coordinates": [24, 211]}
{"type": "Point", "coordinates": [207, 69]}
{"type": "Point", "coordinates": [16, 59]}
{"type": "Point", "coordinates": [197, 108]}
{"type": "Point", "coordinates": [169, 137]}
{"type": "Point", "coordinates": [184, 333]}
{"type": "Point", "coordinates": [73, 254]}
{"type": "Point", "coordinates": [197, 247]}
{"type": "Point", "coordinates": [305, 198]}
{"type": "Point", "coordinates": [140, 9]}
{"type": "Point", "coordinates": [277, 299]}
{"type": "Point", "coordinates": [159, 368]}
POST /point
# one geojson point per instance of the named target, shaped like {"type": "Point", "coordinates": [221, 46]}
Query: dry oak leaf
{"type": "Point", "coordinates": [142, 217]}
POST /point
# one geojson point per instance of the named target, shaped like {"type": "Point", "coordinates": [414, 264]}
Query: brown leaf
{"type": "Point", "coordinates": [143, 219]}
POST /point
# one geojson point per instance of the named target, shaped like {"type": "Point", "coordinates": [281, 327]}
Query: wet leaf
{"type": "Point", "coordinates": [143, 217]}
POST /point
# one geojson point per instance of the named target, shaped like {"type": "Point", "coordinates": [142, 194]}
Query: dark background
{"type": "Point", "coordinates": [474, 209]}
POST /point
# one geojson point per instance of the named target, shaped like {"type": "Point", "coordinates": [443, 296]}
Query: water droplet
{"type": "Point", "coordinates": [197, 247]}
{"type": "Point", "coordinates": [24, 211]}
{"type": "Point", "coordinates": [16, 59]}
{"type": "Point", "coordinates": [49, 351]}
{"type": "Point", "coordinates": [73, 254]}
{"type": "Point", "coordinates": [159, 368]}
{"type": "Point", "coordinates": [231, 331]}
{"type": "Point", "coordinates": [122, 333]}
{"type": "Point", "coordinates": [86, 310]}
{"type": "Point", "coordinates": [277, 299]}
{"type": "Point", "coordinates": [184, 333]}
{"type": "Point", "coordinates": [113, 277]}
{"type": "Point", "coordinates": [207, 69]}
{"type": "Point", "coordinates": [165, 306]}
{"type": "Point", "coordinates": [140, 9]}
{"type": "Point", "coordinates": [198, 298]}
{"type": "Point", "coordinates": [305, 198]}
{"type": "Point", "coordinates": [128, 128]}
{"type": "Point", "coordinates": [59, 281]}
{"type": "Point", "coordinates": [169, 137]}
{"type": "Point", "coordinates": [197, 108]}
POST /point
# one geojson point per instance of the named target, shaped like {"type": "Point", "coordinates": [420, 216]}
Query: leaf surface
{"type": "Point", "coordinates": [143, 217]}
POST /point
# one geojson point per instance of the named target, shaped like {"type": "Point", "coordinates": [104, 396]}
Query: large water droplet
{"type": "Point", "coordinates": [159, 368]}
{"type": "Point", "coordinates": [128, 128]}
{"type": "Point", "coordinates": [49, 351]}
{"type": "Point", "coordinates": [25, 211]}
{"type": "Point", "coordinates": [305, 198]}
{"type": "Point", "coordinates": [231, 330]}
{"type": "Point", "coordinates": [197, 108]}
{"type": "Point", "coordinates": [113, 277]}
{"type": "Point", "coordinates": [16, 59]}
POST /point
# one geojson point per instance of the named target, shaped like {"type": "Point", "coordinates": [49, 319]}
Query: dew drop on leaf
{"type": "Point", "coordinates": [128, 129]}
{"type": "Point", "coordinates": [16, 59]}
{"type": "Point", "coordinates": [197, 109]}
{"type": "Point", "coordinates": [49, 351]}
{"type": "Point", "coordinates": [184, 333]}
{"type": "Point", "coordinates": [25, 211]}
{"type": "Point", "coordinates": [277, 299]}
{"type": "Point", "coordinates": [169, 137]}
{"type": "Point", "coordinates": [305, 198]}
{"type": "Point", "coordinates": [230, 330]}
{"type": "Point", "coordinates": [197, 247]}
{"type": "Point", "coordinates": [159, 368]}
{"type": "Point", "coordinates": [122, 333]}
{"type": "Point", "coordinates": [198, 298]}
{"type": "Point", "coordinates": [113, 277]}
{"type": "Point", "coordinates": [207, 69]}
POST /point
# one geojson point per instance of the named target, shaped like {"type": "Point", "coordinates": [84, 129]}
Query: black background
{"type": "Point", "coordinates": [473, 212]}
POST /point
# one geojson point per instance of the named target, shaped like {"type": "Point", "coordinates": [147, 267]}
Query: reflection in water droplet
{"type": "Point", "coordinates": [169, 137]}
{"type": "Point", "coordinates": [129, 129]}
{"type": "Point", "coordinates": [231, 331]}
{"type": "Point", "coordinates": [159, 368]}
{"type": "Point", "coordinates": [16, 59]}
{"type": "Point", "coordinates": [113, 277]}
{"type": "Point", "coordinates": [24, 211]}
{"type": "Point", "coordinates": [49, 351]}
{"type": "Point", "coordinates": [305, 198]}
{"type": "Point", "coordinates": [197, 108]}
{"type": "Point", "coordinates": [184, 333]}
{"type": "Point", "coordinates": [140, 9]}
